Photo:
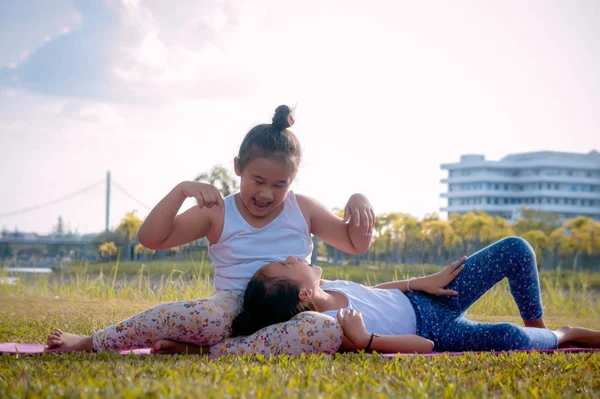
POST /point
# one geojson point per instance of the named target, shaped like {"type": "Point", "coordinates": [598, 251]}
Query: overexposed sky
{"type": "Point", "coordinates": [158, 92]}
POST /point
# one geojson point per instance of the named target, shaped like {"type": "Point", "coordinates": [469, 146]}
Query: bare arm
{"type": "Point", "coordinates": [353, 237]}
{"type": "Point", "coordinates": [409, 343]}
{"type": "Point", "coordinates": [163, 228]}
{"type": "Point", "coordinates": [433, 284]}
{"type": "Point", "coordinates": [357, 338]}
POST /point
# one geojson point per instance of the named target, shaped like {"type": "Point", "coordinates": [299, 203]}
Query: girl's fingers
{"type": "Point", "coordinates": [356, 217]}
{"type": "Point", "coordinates": [449, 292]}
{"type": "Point", "coordinates": [208, 199]}
{"type": "Point", "coordinates": [457, 271]}
{"type": "Point", "coordinates": [200, 199]}
{"type": "Point", "coordinates": [367, 221]}
{"type": "Point", "coordinates": [346, 214]}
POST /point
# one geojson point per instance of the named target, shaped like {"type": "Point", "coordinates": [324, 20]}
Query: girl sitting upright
{"type": "Point", "coordinates": [263, 223]}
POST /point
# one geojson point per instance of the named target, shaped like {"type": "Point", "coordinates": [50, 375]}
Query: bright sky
{"type": "Point", "coordinates": [386, 92]}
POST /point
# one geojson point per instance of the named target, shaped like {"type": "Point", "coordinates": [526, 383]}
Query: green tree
{"type": "Point", "coordinates": [578, 236]}
{"type": "Point", "coordinates": [220, 177]}
{"type": "Point", "coordinates": [538, 241]}
{"type": "Point", "coordinates": [108, 250]}
{"type": "Point", "coordinates": [129, 227]}
{"type": "Point", "coordinates": [439, 235]}
{"type": "Point", "coordinates": [532, 219]}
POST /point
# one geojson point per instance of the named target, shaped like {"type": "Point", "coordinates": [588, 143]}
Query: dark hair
{"type": "Point", "coordinates": [273, 141]}
{"type": "Point", "coordinates": [267, 301]}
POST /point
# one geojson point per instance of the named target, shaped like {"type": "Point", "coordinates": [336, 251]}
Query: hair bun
{"type": "Point", "coordinates": [283, 117]}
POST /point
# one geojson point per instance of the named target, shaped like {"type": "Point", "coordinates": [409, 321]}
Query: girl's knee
{"type": "Point", "coordinates": [518, 244]}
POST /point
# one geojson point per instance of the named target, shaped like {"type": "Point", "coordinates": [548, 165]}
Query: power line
{"type": "Point", "coordinates": [129, 195]}
{"type": "Point", "coordinates": [66, 197]}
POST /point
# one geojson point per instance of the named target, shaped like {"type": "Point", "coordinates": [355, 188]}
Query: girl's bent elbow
{"type": "Point", "coordinates": [147, 243]}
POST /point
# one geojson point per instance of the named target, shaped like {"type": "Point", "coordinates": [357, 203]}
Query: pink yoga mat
{"type": "Point", "coordinates": [14, 348]}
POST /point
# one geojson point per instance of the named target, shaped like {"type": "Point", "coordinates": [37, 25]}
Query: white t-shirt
{"type": "Point", "coordinates": [243, 249]}
{"type": "Point", "coordinates": [386, 312]}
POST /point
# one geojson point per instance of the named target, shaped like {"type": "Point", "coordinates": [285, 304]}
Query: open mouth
{"type": "Point", "coordinates": [261, 204]}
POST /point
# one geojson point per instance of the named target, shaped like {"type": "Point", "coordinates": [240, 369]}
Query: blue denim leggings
{"type": "Point", "coordinates": [441, 318]}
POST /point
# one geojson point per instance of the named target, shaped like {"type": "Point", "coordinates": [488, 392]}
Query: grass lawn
{"type": "Point", "coordinates": [83, 304]}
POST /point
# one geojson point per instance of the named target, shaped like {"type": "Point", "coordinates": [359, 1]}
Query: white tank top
{"type": "Point", "coordinates": [386, 312]}
{"type": "Point", "coordinates": [243, 249]}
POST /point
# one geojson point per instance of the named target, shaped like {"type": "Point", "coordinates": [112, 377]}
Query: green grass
{"type": "Point", "coordinates": [370, 275]}
{"type": "Point", "coordinates": [83, 303]}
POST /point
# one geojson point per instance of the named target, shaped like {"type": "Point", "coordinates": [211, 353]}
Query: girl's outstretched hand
{"type": "Point", "coordinates": [435, 283]}
{"type": "Point", "coordinates": [353, 326]}
{"type": "Point", "coordinates": [359, 212]}
{"type": "Point", "coordinates": [206, 194]}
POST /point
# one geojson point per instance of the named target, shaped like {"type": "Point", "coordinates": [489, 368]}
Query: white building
{"type": "Point", "coordinates": [560, 182]}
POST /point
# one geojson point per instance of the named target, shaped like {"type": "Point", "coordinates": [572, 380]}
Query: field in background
{"type": "Point", "coordinates": [84, 299]}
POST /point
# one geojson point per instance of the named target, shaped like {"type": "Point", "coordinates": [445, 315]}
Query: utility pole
{"type": "Point", "coordinates": [107, 199]}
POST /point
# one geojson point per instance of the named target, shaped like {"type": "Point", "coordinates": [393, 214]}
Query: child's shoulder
{"type": "Point", "coordinates": [308, 204]}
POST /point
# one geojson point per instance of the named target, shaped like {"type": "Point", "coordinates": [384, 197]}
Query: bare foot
{"type": "Point", "coordinates": [535, 323]}
{"type": "Point", "coordinates": [582, 337]}
{"type": "Point", "coordinates": [61, 340]}
{"type": "Point", "coordinates": [165, 346]}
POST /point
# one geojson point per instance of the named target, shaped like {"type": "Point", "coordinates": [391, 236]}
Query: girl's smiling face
{"type": "Point", "coordinates": [264, 184]}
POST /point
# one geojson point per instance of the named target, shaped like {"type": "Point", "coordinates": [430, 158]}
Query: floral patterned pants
{"type": "Point", "coordinates": [207, 322]}
{"type": "Point", "coordinates": [441, 318]}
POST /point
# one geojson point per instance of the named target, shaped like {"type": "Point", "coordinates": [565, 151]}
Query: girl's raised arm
{"type": "Point", "coordinates": [163, 228]}
{"type": "Point", "coordinates": [351, 234]}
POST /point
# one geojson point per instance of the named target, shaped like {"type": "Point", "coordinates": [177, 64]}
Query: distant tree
{"type": "Point", "coordinates": [538, 241]}
{"type": "Point", "coordinates": [108, 250]}
{"type": "Point", "coordinates": [129, 227]}
{"type": "Point", "coordinates": [221, 178]}
{"type": "Point", "coordinates": [578, 236]}
{"type": "Point", "coordinates": [532, 219]}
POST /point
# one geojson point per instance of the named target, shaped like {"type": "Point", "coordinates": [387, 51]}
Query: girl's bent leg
{"type": "Point", "coordinates": [200, 322]}
{"type": "Point", "coordinates": [467, 335]}
{"type": "Point", "coordinates": [307, 332]}
{"type": "Point", "coordinates": [511, 257]}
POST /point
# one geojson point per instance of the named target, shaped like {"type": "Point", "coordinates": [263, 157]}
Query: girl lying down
{"type": "Point", "coordinates": [417, 315]}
